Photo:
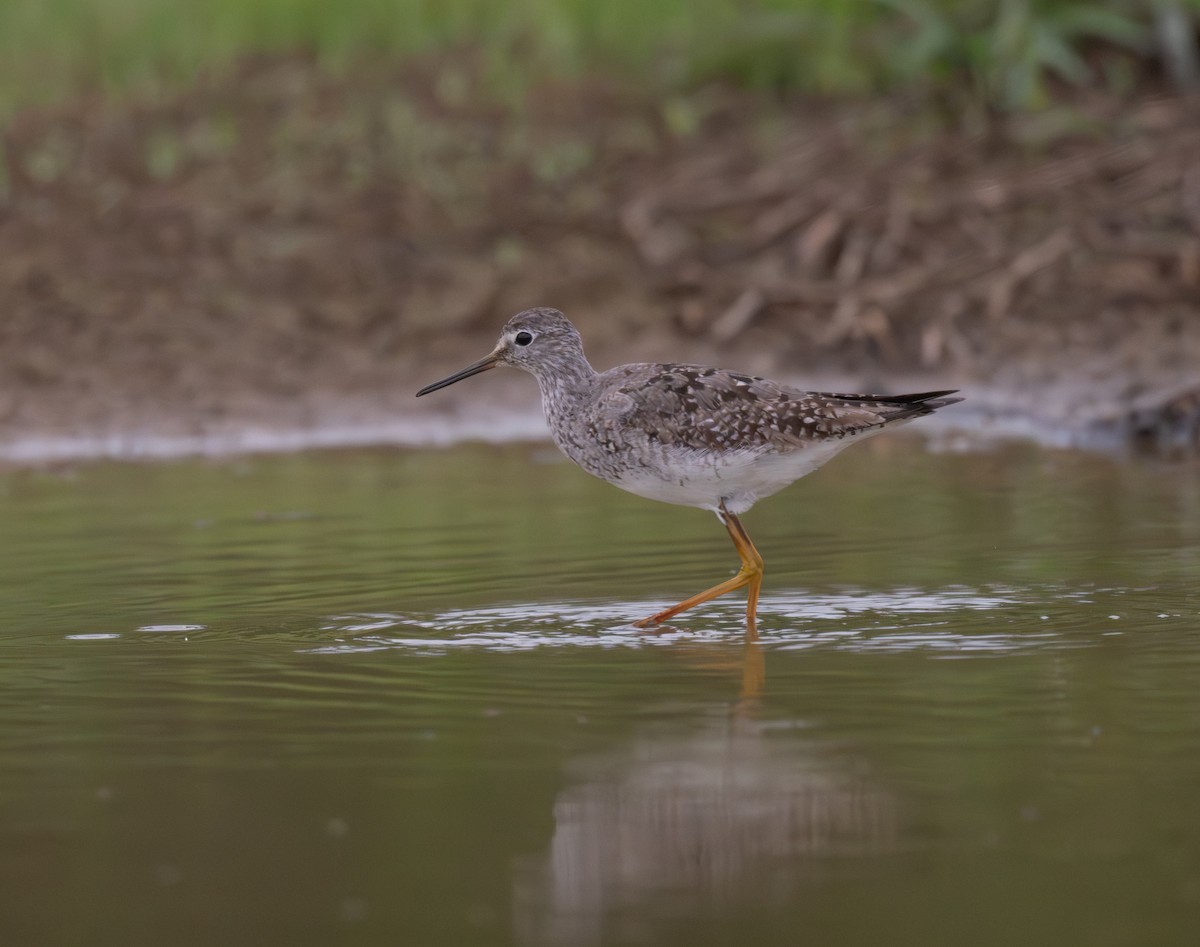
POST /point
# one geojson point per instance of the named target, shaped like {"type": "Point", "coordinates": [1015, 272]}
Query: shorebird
{"type": "Point", "coordinates": [686, 434]}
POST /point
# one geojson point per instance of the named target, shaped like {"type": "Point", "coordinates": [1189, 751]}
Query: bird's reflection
{"type": "Point", "coordinates": [750, 662]}
{"type": "Point", "coordinates": [754, 676]}
{"type": "Point", "coordinates": [694, 815]}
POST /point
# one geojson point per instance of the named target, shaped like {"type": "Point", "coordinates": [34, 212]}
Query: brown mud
{"type": "Point", "coordinates": [285, 250]}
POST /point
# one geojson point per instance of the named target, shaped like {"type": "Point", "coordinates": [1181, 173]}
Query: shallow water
{"type": "Point", "coordinates": [393, 697]}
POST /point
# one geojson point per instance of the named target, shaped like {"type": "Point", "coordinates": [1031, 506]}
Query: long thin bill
{"type": "Point", "coordinates": [473, 369]}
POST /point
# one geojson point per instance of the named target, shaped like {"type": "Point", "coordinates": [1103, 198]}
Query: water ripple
{"type": "Point", "coordinates": [895, 620]}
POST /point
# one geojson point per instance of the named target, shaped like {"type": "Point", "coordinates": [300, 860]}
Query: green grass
{"type": "Point", "coordinates": [1007, 53]}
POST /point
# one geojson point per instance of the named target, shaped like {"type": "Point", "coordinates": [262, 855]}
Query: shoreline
{"type": "Point", "coordinates": [293, 288]}
{"type": "Point", "coordinates": [988, 417]}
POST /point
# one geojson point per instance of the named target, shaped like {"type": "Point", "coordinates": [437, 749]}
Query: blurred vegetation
{"type": "Point", "coordinates": [1003, 54]}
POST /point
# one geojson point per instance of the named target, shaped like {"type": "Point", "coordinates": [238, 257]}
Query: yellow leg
{"type": "Point", "coordinates": [750, 574]}
{"type": "Point", "coordinates": [755, 582]}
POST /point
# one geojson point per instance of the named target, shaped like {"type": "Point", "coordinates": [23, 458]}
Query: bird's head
{"type": "Point", "coordinates": [535, 340]}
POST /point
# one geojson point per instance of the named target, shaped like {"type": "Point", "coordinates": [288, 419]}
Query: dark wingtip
{"type": "Point", "coordinates": [937, 399]}
{"type": "Point", "coordinates": [925, 397]}
{"type": "Point", "coordinates": [919, 405]}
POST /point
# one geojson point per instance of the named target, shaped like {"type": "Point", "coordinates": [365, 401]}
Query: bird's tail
{"type": "Point", "coordinates": [902, 407]}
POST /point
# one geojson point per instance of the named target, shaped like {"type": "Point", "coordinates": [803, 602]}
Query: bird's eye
{"type": "Point", "coordinates": [523, 338]}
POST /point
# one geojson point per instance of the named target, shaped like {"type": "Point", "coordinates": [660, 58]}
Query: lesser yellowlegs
{"type": "Point", "coordinates": [685, 434]}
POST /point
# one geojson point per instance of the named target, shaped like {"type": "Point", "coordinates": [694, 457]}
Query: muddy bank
{"type": "Point", "coordinates": [288, 253]}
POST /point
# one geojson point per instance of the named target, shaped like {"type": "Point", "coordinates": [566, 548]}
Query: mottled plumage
{"type": "Point", "coordinates": [687, 434]}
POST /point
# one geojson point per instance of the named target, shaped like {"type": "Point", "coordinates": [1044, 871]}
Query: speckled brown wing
{"type": "Point", "coordinates": [715, 410]}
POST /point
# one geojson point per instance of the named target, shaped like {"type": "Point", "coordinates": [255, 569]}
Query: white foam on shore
{"type": "Point", "coordinates": [986, 418]}
{"type": "Point", "coordinates": [420, 431]}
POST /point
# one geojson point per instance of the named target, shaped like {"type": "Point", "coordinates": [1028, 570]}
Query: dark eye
{"type": "Point", "coordinates": [523, 338]}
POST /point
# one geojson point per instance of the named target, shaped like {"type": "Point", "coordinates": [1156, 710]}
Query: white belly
{"type": "Point", "coordinates": [739, 478]}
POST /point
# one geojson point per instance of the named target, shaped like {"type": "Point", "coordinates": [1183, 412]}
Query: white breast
{"type": "Point", "coordinates": [740, 478]}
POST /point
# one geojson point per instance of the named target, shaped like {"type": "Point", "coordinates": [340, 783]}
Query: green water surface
{"type": "Point", "coordinates": [390, 697]}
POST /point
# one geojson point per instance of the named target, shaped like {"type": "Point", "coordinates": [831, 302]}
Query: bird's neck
{"type": "Point", "coordinates": [567, 386]}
